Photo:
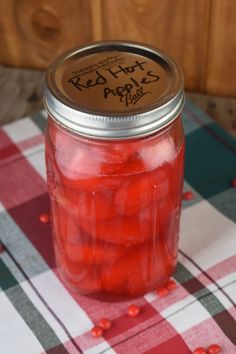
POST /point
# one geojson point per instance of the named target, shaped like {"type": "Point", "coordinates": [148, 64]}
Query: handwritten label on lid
{"type": "Point", "coordinates": [115, 82]}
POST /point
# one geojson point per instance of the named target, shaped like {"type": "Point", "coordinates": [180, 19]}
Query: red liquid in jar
{"type": "Point", "coordinates": [116, 209]}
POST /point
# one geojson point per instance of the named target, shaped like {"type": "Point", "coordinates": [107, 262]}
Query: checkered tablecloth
{"type": "Point", "coordinates": [39, 315]}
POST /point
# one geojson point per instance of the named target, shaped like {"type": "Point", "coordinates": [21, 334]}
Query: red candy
{"type": "Point", "coordinates": [213, 349]}
{"type": "Point", "coordinates": [1, 247]}
{"type": "Point", "coordinates": [188, 195]}
{"type": "Point", "coordinates": [133, 310]}
{"type": "Point", "coordinates": [200, 350]}
{"type": "Point", "coordinates": [233, 183]}
{"type": "Point", "coordinates": [105, 323]}
{"type": "Point", "coordinates": [44, 218]}
{"type": "Point", "coordinates": [163, 291]}
{"type": "Point", "coordinates": [171, 285]}
{"type": "Point", "coordinates": [96, 332]}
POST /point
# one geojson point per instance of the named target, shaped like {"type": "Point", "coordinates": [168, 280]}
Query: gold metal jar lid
{"type": "Point", "coordinates": [114, 90]}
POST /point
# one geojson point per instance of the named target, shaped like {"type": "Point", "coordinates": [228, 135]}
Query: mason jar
{"type": "Point", "coordinates": [115, 157]}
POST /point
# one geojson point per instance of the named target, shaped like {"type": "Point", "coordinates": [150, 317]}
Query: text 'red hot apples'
{"type": "Point", "coordinates": [114, 156]}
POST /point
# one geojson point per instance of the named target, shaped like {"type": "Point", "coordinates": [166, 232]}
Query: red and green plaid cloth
{"type": "Point", "coordinates": [39, 315]}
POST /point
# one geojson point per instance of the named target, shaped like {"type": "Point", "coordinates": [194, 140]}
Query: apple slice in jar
{"type": "Point", "coordinates": [66, 225]}
{"type": "Point", "coordinates": [141, 190]}
{"type": "Point", "coordinates": [171, 234]}
{"type": "Point", "coordinates": [94, 251]}
{"type": "Point", "coordinates": [85, 156]}
{"type": "Point", "coordinates": [155, 154]}
{"type": "Point", "coordinates": [94, 206]}
{"type": "Point", "coordinates": [144, 267]}
{"type": "Point", "coordinates": [153, 268]}
{"type": "Point", "coordinates": [122, 229]}
{"type": "Point", "coordinates": [81, 276]}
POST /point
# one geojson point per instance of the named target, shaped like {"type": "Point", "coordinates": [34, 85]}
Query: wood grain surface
{"type": "Point", "coordinates": [22, 90]}
{"type": "Point", "coordinates": [199, 34]}
{"type": "Point", "coordinates": [221, 66]}
{"type": "Point", "coordinates": [177, 27]}
{"type": "Point", "coordinates": [34, 32]}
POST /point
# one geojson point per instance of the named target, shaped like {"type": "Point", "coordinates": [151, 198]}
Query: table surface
{"type": "Point", "coordinates": [21, 95]}
{"type": "Point", "coordinates": [39, 313]}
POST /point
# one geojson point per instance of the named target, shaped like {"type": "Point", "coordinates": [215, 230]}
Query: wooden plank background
{"type": "Point", "coordinates": [221, 66]}
{"type": "Point", "coordinates": [199, 34]}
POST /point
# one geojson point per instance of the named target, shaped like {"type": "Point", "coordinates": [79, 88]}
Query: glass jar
{"type": "Point", "coordinates": [115, 156]}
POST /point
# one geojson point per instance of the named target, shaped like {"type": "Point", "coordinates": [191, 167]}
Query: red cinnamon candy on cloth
{"type": "Point", "coordinates": [44, 218]}
{"type": "Point", "coordinates": [188, 195]}
{"type": "Point", "coordinates": [200, 350]}
{"type": "Point", "coordinates": [105, 323]}
{"type": "Point", "coordinates": [96, 331]}
{"type": "Point", "coordinates": [171, 285]}
{"type": "Point", "coordinates": [162, 291]}
{"type": "Point", "coordinates": [233, 183]}
{"type": "Point", "coordinates": [213, 349]}
{"type": "Point", "coordinates": [133, 310]}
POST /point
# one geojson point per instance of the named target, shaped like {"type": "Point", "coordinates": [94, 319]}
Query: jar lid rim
{"type": "Point", "coordinates": [115, 122]}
